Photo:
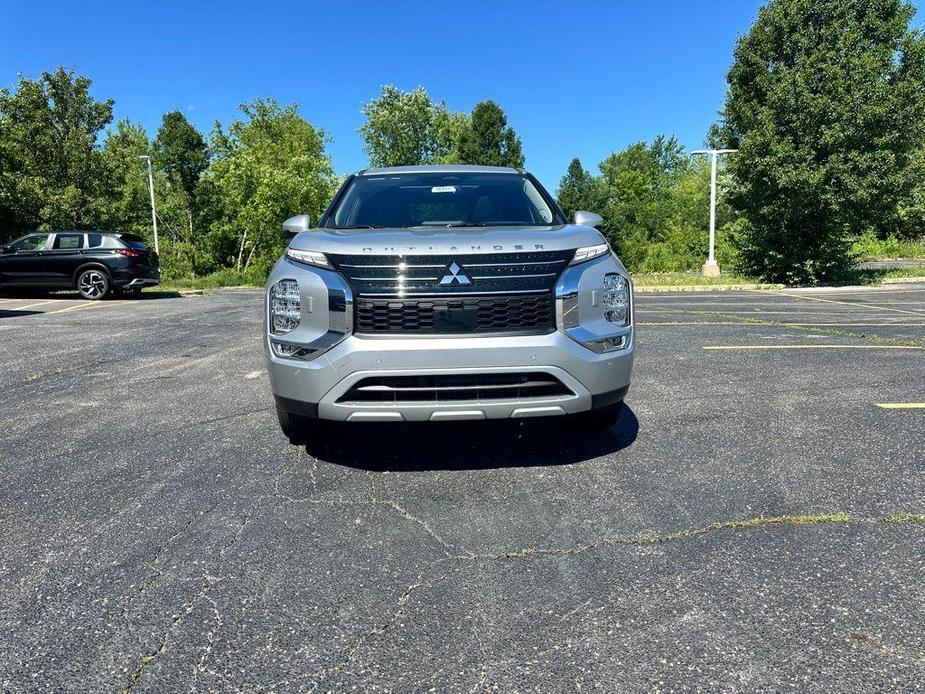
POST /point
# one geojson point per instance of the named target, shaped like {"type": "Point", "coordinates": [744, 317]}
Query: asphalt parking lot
{"type": "Point", "coordinates": [752, 523]}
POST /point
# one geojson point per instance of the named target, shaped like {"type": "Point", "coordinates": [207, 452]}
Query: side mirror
{"type": "Point", "coordinates": [296, 225]}
{"type": "Point", "coordinates": [6, 250]}
{"type": "Point", "coordinates": [589, 219]}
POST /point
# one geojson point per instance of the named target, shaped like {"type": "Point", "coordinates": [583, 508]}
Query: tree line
{"type": "Point", "coordinates": [220, 199]}
{"type": "Point", "coordinates": [825, 103]}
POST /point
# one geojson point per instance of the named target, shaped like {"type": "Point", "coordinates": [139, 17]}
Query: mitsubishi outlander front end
{"type": "Point", "coordinates": [444, 293]}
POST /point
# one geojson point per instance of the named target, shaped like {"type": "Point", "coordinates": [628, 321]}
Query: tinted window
{"type": "Point", "coordinates": [133, 241]}
{"type": "Point", "coordinates": [30, 243]}
{"type": "Point", "coordinates": [442, 199]}
{"type": "Point", "coordinates": [66, 241]}
{"type": "Point", "coordinates": [103, 241]}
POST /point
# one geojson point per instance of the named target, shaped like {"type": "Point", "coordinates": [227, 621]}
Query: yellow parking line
{"type": "Point", "coordinates": [730, 347]}
{"type": "Point", "coordinates": [784, 325]}
{"type": "Point", "coordinates": [745, 313]}
{"type": "Point", "coordinates": [855, 304]}
{"type": "Point", "coordinates": [689, 322]}
{"type": "Point", "coordinates": [901, 405]}
{"type": "Point", "coordinates": [40, 303]}
{"type": "Point", "coordinates": [89, 304]}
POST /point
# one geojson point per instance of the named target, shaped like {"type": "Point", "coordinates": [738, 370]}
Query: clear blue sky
{"type": "Point", "coordinates": [576, 78]}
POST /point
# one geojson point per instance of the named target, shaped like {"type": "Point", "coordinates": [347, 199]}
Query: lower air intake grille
{"type": "Point", "coordinates": [455, 388]}
{"type": "Point", "coordinates": [441, 315]}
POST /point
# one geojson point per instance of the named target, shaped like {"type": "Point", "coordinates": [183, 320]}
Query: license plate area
{"type": "Point", "coordinates": [455, 319]}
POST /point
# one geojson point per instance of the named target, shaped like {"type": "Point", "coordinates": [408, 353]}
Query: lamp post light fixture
{"type": "Point", "coordinates": [153, 211]}
{"type": "Point", "coordinates": [711, 267]}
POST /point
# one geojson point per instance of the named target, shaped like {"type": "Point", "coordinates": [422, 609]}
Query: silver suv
{"type": "Point", "coordinates": [442, 293]}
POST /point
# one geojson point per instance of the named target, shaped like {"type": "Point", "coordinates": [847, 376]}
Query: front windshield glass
{"type": "Point", "coordinates": [441, 200]}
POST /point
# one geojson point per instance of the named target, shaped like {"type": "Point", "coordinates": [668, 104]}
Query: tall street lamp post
{"type": "Point", "coordinates": [153, 211]}
{"type": "Point", "coordinates": [711, 267]}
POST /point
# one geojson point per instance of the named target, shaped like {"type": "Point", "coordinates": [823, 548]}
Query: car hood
{"type": "Point", "coordinates": [440, 241]}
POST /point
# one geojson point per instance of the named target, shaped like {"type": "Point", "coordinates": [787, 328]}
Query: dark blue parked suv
{"type": "Point", "coordinates": [92, 262]}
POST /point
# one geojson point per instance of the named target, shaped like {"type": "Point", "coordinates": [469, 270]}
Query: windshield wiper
{"type": "Point", "coordinates": [362, 226]}
{"type": "Point", "coordinates": [465, 224]}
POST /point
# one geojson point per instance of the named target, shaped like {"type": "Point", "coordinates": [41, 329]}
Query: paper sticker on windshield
{"type": "Point", "coordinates": [443, 189]}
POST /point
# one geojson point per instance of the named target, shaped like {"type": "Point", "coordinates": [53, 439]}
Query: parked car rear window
{"type": "Point", "coordinates": [442, 199]}
{"type": "Point", "coordinates": [133, 241]}
{"type": "Point", "coordinates": [66, 241]}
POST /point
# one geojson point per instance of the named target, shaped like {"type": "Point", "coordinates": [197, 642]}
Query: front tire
{"type": "Point", "coordinates": [601, 418]}
{"type": "Point", "coordinates": [301, 430]}
{"type": "Point", "coordinates": [93, 284]}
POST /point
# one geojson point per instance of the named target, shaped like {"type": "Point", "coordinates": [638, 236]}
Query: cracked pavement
{"type": "Point", "coordinates": [754, 522]}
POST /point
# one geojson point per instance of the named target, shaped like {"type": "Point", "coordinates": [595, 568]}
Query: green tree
{"type": "Point", "coordinates": [181, 152]}
{"type": "Point", "coordinates": [447, 129]}
{"type": "Point", "coordinates": [579, 190]}
{"type": "Point", "coordinates": [408, 128]}
{"type": "Point", "coordinates": [488, 140]}
{"type": "Point", "coordinates": [826, 102]}
{"type": "Point", "coordinates": [268, 166]}
{"type": "Point", "coordinates": [639, 181]}
{"type": "Point", "coordinates": [51, 167]}
{"type": "Point", "coordinates": [128, 201]}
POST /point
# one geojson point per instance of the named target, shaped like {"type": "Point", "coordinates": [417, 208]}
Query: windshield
{"type": "Point", "coordinates": [441, 200]}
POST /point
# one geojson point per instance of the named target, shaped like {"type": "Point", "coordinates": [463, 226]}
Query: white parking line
{"type": "Point", "coordinates": [856, 304]}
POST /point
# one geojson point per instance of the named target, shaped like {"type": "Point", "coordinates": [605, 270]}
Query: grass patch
{"type": "Point", "coordinates": [868, 247]}
{"type": "Point", "coordinates": [820, 519]}
{"type": "Point", "coordinates": [906, 518]}
{"type": "Point", "coordinates": [228, 277]}
{"type": "Point", "coordinates": [875, 277]}
{"type": "Point", "coordinates": [681, 279]}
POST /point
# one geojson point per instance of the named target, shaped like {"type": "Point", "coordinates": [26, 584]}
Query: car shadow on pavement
{"type": "Point", "coordinates": [472, 445]}
{"type": "Point", "coordinates": [16, 314]}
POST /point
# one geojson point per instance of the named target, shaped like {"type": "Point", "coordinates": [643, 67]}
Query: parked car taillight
{"type": "Point", "coordinates": [129, 252]}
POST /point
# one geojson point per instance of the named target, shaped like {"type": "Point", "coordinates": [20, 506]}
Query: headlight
{"type": "Point", "coordinates": [615, 299]}
{"type": "Point", "coordinates": [309, 257]}
{"type": "Point", "coordinates": [588, 252]}
{"type": "Point", "coordinates": [285, 307]}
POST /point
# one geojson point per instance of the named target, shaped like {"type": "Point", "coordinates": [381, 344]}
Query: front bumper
{"type": "Point", "coordinates": [338, 358]}
{"type": "Point", "coordinates": [313, 388]}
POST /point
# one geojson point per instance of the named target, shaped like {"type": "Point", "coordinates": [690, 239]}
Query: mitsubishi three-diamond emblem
{"type": "Point", "coordinates": [454, 273]}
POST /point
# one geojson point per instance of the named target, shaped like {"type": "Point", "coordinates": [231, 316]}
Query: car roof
{"type": "Point", "coordinates": [438, 168]}
{"type": "Point", "coordinates": [107, 232]}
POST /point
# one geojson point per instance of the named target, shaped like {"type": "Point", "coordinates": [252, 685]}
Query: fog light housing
{"type": "Point", "coordinates": [285, 307]}
{"type": "Point", "coordinates": [290, 351]}
{"type": "Point", "coordinates": [608, 344]}
{"type": "Point", "coordinates": [615, 299]}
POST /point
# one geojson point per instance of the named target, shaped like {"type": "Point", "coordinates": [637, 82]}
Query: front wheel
{"type": "Point", "coordinates": [93, 284]}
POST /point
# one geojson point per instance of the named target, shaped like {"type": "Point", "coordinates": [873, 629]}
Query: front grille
{"type": "Point", "coordinates": [445, 388]}
{"type": "Point", "coordinates": [440, 315]}
{"type": "Point", "coordinates": [430, 275]}
{"type": "Point", "coordinates": [446, 294]}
